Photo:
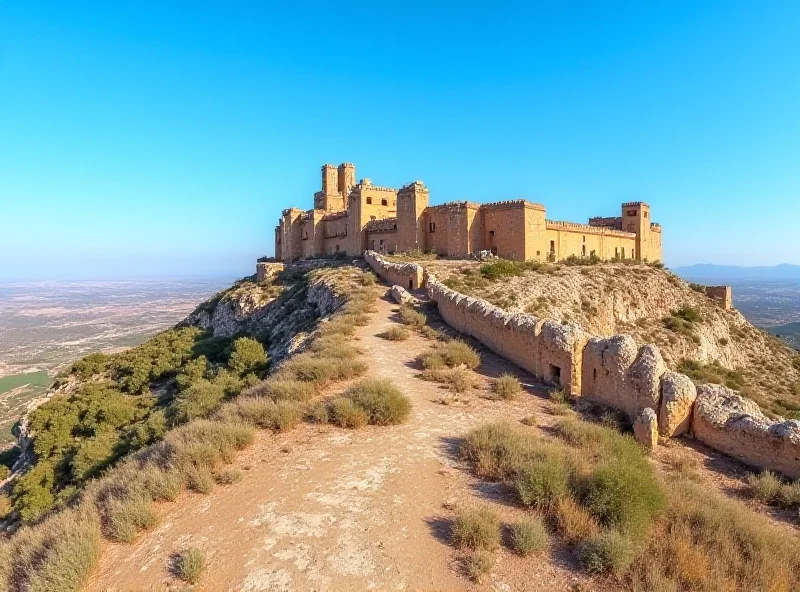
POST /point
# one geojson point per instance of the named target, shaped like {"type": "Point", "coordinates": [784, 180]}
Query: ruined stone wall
{"type": "Point", "coordinates": [267, 270]}
{"type": "Point", "coordinates": [614, 372]}
{"type": "Point", "coordinates": [723, 295]}
{"type": "Point", "coordinates": [407, 275]}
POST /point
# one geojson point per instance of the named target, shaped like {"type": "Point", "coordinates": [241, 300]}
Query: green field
{"type": "Point", "coordinates": [15, 392]}
{"type": "Point", "coordinates": [33, 379]}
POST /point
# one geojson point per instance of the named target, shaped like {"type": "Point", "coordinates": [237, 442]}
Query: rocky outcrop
{"type": "Point", "coordinates": [645, 428]}
{"type": "Point", "coordinates": [266, 271]}
{"type": "Point", "coordinates": [678, 394]}
{"type": "Point", "coordinates": [734, 425]}
{"type": "Point", "coordinates": [400, 295]}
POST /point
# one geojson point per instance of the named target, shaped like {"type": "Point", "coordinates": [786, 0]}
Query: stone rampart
{"type": "Point", "coordinates": [407, 275]}
{"type": "Point", "coordinates": [616, 373]}
{"type": "Point", "coordinates": [734, 425]}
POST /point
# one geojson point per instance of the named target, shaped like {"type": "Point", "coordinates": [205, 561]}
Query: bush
{"type": "Point", "coordinates": [476, 528]}
{"type": "Point", "coordinates": [396, 334]}
{"type": "Point", "coordinates": [507, 386]}
{"type": "Point", "coordinates": [431, 361]}
{"type": "Point", "coordinates": [291, 390]}
{"type": "Point", "coordinates": [318, 413]}
{"type": "Point", "coordinates": [558, 396]}
{"type": "Point", "coordinates": [501, 268]}
{"type": "Point", "coordinates": [189, 565]}
{"type": "Point", "coordinates": [267, 414]}
{"type": "Point", "coordinates": [6, 507]}
{"type": "Point", "coordinates": [457, 353]}
{"type": "Point", "coordinates": [528, 535]}
{"type": "Point", "coordinates": [543, 482]}
{"type": "Point", "coordinates": [381, 400]}
{"type": "Point", "coordinates": [347, 414]}
{"type": "Point", "coordinates": [625, 495]}
{"type": "Point", "coordinates": [228, 476]}
{"type": "Point", "coordinates": [32, 493]}
{"type": "Point", "coordinates": [767, 487]}
{"type": "Point", "coordinates": [411, 317]}
{"type": "Point", "coordinates": [198, 478]}
{"type": "Point", "coordinates": [460, 380]}
{"type": "Point", "coordinates": [125, 517]}
{"type": "Point", "coordinates": [478, 565]}
{"type": "Point", "coordinates": [608, 552]}
{"type": "Point", "coordinates": [574, 522]}
{"type": "Point", "coordinates": [307, 368]}
{"type": "Point", "coordinates": [368, 279]}
{"type": "Point", "coordinates": [199, 400]}
{"type": "Point", "coordinates": [162, 485]}
{"type": "Point", "coordinates": [247, 354]}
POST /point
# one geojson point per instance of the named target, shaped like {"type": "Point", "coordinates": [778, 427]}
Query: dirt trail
{"type": "Point", "coordinates": [323, 508]}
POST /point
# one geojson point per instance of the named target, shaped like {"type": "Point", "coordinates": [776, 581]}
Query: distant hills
{"type": "Point", "coordinates": [729, 273]}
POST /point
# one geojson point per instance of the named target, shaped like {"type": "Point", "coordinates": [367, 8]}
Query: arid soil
{"type": "Point", "coordinates": [323, 508]}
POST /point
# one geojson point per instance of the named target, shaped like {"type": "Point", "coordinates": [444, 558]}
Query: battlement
{"type": "Point", "coordinates": [513, 203]}
{"type": "Point", "coordinates": [587, 229]}
{"type": "Point", "coordinates": [614, 222]}
{"type": "Point", "coordinates": [629, 204]}
{"type": "Point", "coordinates": [454, 206]}
{"type": "Point", "coordinates": [371, 187]}
{"type": "Point", "coordinates": [414, 185]}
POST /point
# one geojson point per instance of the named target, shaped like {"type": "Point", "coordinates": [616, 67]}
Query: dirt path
{"type": "Point", "coordinates": [322, 508]}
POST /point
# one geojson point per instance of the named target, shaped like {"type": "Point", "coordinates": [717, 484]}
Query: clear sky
{"type": "Point", "coordinates": [164, 137]}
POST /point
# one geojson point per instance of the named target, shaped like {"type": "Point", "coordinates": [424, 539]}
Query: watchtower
{"type": "Point", "coordinates": [347, 178]}
{"type": "Point", "coordinates": [636, 219]}
{"type": "Point", "coordinates": [411, 203]}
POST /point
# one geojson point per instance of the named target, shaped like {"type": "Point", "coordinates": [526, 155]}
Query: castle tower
{"type": "Point", "coordinates": [636, 218]}
{"type": "Point", "coordinates": [347, 178]}
{"type": "Point", "coordinates": [411, 203]}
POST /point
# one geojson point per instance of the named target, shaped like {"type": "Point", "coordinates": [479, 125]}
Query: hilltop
{"type": "Point", "coordinates": [695, 335]}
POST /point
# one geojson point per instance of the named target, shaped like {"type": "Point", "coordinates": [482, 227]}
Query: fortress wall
{"type": "Point", "coordinates": [614, 372]}
{"type": "Point", "coordinates": [407, 275]}
{"type": "Point", "coordinates": [734, 425]}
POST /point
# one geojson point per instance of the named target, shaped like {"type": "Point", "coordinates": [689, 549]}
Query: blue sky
{"type": "Point", "coordinates": [163, 138]}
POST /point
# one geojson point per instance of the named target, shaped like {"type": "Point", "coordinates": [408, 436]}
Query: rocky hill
{"type": "Point", "coordinates": [653, 305]}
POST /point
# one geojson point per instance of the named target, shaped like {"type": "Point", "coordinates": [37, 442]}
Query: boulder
{"type": "Point", "coordinates": [400, 295]}
{"type": "Point", "coordinates": [678, 395]}
{"type": "Point", "coordinates": [645, 428]}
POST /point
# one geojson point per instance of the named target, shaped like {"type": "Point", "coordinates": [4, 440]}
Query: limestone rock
{"type": "Point", "coordinates": [645, 428]}
{"type": "Point", "coordinates": [644, 377]}
{"type": "Point", "coordinates": [400, 295]}
{"type": "Point", "coordinates": [678, 395]}
{"type": "Point", "coordinates": [736, 426]}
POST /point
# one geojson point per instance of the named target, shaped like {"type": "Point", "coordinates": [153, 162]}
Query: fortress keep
{"type": "Point", "coordinates": [351, 218]}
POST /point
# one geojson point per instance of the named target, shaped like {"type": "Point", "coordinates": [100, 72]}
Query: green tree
{"type": "Point", "coordinates": [246, 354]}
{"type": "Point", "coordinates": [33, 492]}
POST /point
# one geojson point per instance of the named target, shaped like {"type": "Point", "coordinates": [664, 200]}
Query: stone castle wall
{"type": "Point", "coordinates": [613, 372]}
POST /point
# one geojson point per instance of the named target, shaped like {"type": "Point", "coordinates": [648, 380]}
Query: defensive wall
{"type": "Point", "coordinates": [613, 372]}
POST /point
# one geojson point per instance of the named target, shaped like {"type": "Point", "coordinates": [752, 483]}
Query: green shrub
{"type": "Point", "coordinates": [476, 528]}
{"type": "Point", "coordinates": [347, 414]}
{"type": "Point", "coordinates": [265, 413]}
{"type": "Point", "coordinates": [528, 535]}
{"type": "Point", "coordinates": [90, 365]}
{"type": "Point", "coordinates": [199, 400]}
{"type": "Point", "coordinates": [457, 353]}
{"type": "Point", "coordinates": [94, 454]}
{"type": "Point", "coordinates": [396, 334]}
{"type": "Point", "coordinates": [6, 507]}
{"type": "Point", "coordinates": [558, 396]}
{"type": "Point", "coordinates": [308, 368]}
{"type": "Point", "coordinates": [247, 354]}
{"type": "Point", "coordinates": [610, 551]}
{"type": "Point", "coordinates": [368, 279]}
{"type": "Point", "coordinates": [189, 565]}
{"type": "Point", "coordinates": [291, 390]}
{"type": "Point", "coordinates": [543, 481]}
{"type": "Point", "coordinates": [431, 360]}
{"type": "Point", "coordinates": [507, 386]}
{"type": "Point", "coordinates": [478, 565]}
{"type": "Point", "coordinates": [624, 495]}
{"type": "Point", "coordinates": [383, 402]}
{"type": "Point", "coordinates": [32, 493]}
{"type": "Point", "coordinates": [501, 268]}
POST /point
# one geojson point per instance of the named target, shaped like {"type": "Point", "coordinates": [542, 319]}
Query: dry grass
{"type": "Point", "coordinates": [383, 402]}
{"type": "Point", "coordinates": [126, 517]}
{"type": "Point", "coordinates": [460, 380]}
{"type": "Point", "coordinates": [528, 535]}
{"type": "Point", "coordinates": [396, 334]}
{"type": "Point", "coordinates": [769, 488]}
{"type": "Point", "coordinates": [478, 565]}
{"type": "Point", "coordinates": [476, 528]}
{"type": "Point", "coordinates": [228, 476]}
{"type": "Point", "coordinates": [267, 414]}
{"type": "Point", "coordinates": [457, 353]}
{"type": "Point", "coordinates": [347, 414]}
{"type": "Point", "coordinates": [507, 387]}
{"type": "Point", "coordinates": [189, 565]}
{"type": "Point", "coordinates": [411, 317]}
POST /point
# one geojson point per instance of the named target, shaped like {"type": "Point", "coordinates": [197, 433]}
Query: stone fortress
{"type": "Point", "coordinates": [351, 218]}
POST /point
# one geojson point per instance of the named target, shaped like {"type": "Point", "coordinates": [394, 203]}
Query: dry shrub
{"type": "Point", "coordinates": [559, 396]}
{"type": "Point", "coordinates": [267, 414]}
{"type": "Point", "coordinates": [339, 326]}
{"type": "Point", "coordinates": [476, 528]}
{"type": "Point", "coordinates": [309, 368]}
{"type": "Point", "coordinates": [609, 551]}
{"type": "Point", "coordinates": [347, 414]}
{"type": "Point", "coordinates": [227, 476]}
{"type": "Point", "coordinates": [6, 507]}
{"type": "Point", "coordinates": [207, 443]}
{"type": "Point", "coordinates": [573, 521]}
{"type": "Point", "coordinates": [409, 316]}
{"type": "Point", "coordinates": [769, 488]}
{"type": "Point", "coordinates": [368, 279]}
{"type": "Point", "coordinates": [478, 565]}
{"type": "Point", "coordinates": [198, 478]}
{"type": "Point", "coordinates": [431, 361]}
{"type": "Point", "coordinates": [189, 565]}
{"type": "Point", "coordinates": [396, 334]}
{"type": "Point", "coordinates": [543, 481]}
{"type": "Point", "coordinates": [528, 535]}
{"type": "Point", "coordinates": [293, 390]}
{"type": "Point", "coordinates": [125, 517]}
{"type": "Point", "coordinates": [55, 555]}
{"type": "Point", "coordinates": [431, 333]}
{"type": "Point", "coordinates": [160, 484]}
{"type": "Point", "coordinates": [457, 353]}
{"type": "Point", "coordinates": [339, 346]}
{"type": "Point", "coordinates": [460, 380]}
{"type": "Point", "coordinates": [383, 402]}
{"type": "Point", "coordinates": [318, 413]}
{"type": "Point", "coordinates": [507, 387]}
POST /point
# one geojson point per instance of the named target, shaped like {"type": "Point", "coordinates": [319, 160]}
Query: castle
{"type": "Point", "coordinates": [351, 218]}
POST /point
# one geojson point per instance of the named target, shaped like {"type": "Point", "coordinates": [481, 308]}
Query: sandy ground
{"type": "Point", "coordinates": [322, 508]}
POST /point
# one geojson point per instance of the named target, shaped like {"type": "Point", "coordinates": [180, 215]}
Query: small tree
{"type": "Point", "coordinates": [246, 354]}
